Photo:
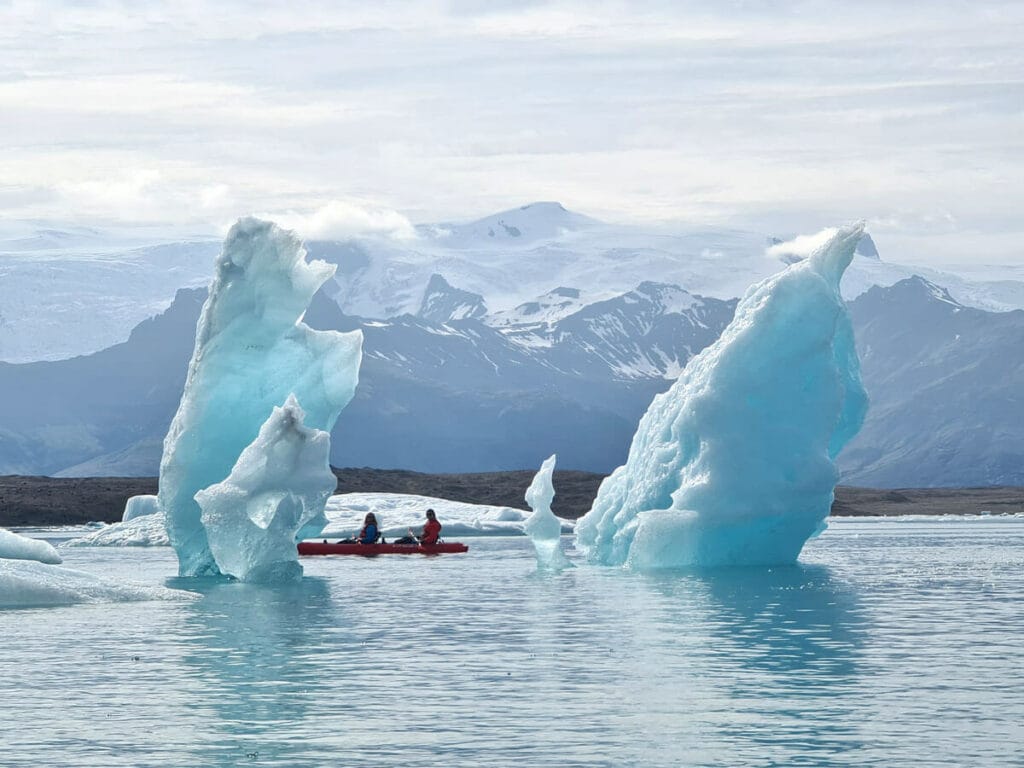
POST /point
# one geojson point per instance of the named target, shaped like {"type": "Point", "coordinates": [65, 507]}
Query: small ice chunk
{"type": "Point", "coordinates": [145, 531]}
{"type": "Point", "coordinates": [16, 547]}
{"type": "Point", "coordinates": [276, 492]}
{"type": "Point", "coordinates": [543, 528]}
{"type": "Point", "coordinates": [138, 506]}
{"type": "Point", "coordinates": [27, 584]}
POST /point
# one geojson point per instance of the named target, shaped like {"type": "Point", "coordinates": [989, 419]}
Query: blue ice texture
{"type": "Point", "coordinates": [276, 492]}
{"type": "Point", "coordinates": [543, 528]}
{"type": "Point", "coordinates": [734, 464]}
{"type": "Point", "coordinates": [252, 351]}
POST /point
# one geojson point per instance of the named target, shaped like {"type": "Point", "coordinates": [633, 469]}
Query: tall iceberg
{"type": "Point", "coordinates": [734, 464]}
{"type": "Point", "coordinates": [252, 351]}
{"type": "Point", "coordinates": [276, 492]}
{"type": "Point", "coordinates": [543, 528]}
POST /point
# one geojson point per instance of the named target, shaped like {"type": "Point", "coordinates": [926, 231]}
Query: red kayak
{"type": "Point", "coordinates": [368, 550]}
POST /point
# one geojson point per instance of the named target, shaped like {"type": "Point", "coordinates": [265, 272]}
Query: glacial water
{"type": "Point", "coordinates": [893, 643]}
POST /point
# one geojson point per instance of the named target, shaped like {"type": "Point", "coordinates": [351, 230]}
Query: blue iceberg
{"type": "Point", "coordinates": [252, 351]}
{"type": "Point", "coordinates": [276, 492]}
{"type": "Point", "coordinates": [734, 464]}
{"type": "Point", "coordinates": [543, 528]}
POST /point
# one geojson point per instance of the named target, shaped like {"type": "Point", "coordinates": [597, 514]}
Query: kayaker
{"type": "Point", "coordinates": [368, 534]}
{"type": "Point", "coordinates": [431, 529]}
{"type": "Point", "coordinates": [431, 532]}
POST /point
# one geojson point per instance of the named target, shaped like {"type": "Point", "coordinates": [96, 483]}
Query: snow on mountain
{"type": "Point", "coordinates": [944, 381]}
{"type": "Point", "coordinates": [60, 296]}
{"type": "Point", "coordinates": [517, 227]}
{"type": "Point", "coordinates": [442, 302]}
{"type": "Point", "coordinates": [542, 311]}
{"type": "Point", "coordinates": [464, 395]}
{"type": "Point", "coordinates": [55, 305]}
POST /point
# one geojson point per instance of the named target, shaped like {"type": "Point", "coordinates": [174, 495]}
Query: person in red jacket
{"type": "Point", "coordinates": [431, 530]}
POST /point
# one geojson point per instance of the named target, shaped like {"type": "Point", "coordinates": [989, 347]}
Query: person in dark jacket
{"type": "Point", "coordinates": [368, 534]}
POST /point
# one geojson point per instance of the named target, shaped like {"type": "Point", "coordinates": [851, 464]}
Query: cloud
{"type": "Point", "coordinates": [800, 247]}
{"type": "Point", "coordinates": [340, 219]}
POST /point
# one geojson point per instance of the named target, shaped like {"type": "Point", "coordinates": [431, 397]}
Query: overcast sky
{"type": "Point", "coordinates": [782, 117]}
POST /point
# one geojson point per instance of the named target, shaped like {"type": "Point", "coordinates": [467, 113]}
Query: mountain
{"type": "Point", "coordinates": [946, 383]}
{"type": "Point", "coordinates": [433, 396]}
{"type": "Point", "coordinates": [516, 227]}
{"type": "Point", "coordinates": [474, 394]}
{"type": "Point", "coordinates": [57, 414]}
{"type": "Point", "coordinates": [442, 302]}
{"type": "Point", "coordinates": [65, 293]}
{"type": "Point", "coordinates": [62, 303]}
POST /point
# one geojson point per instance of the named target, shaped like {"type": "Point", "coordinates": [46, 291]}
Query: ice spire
{"type": "Point", "coordinates": [251, 352]}
{"type": "Point", "coordinates": [543, 528]}
{"type": "Point", "coordinates": [734, 464]}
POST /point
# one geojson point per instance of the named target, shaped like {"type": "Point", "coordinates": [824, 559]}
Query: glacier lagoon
{"type": "Point", "coordinates": [891, 643]}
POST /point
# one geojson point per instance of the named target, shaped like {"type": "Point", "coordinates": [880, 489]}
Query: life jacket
{"type": "Point", "coordinates": [431, 532]}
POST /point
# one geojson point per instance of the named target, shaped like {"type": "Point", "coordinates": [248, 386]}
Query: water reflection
{"type": "Point", "coordinates": [254, 649]}
{"type": "Point", "coordinates": [789, 641]}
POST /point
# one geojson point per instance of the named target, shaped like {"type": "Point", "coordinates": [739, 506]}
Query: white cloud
{"type": "Point", "coordinates": [780, 116]}
{"type": "Point", "coordinates": [800, 247]}
{"type": "Point", "coordinates": [340, 219]}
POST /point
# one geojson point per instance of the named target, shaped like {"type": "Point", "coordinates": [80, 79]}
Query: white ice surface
{"type": "Point", "coordinates": [138, 506]}
{"type": "Point", "coordinates": [25, 584]}
{"type": "Point", "coordinates": [16, 547]}
{"type": "Point", "coordinates": [397, 512]}
{"type": "Point", "coordinates": [345, 512]}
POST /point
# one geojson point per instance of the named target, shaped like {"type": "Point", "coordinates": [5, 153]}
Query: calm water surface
{"type": "Point", "coordinates": [892, 644]}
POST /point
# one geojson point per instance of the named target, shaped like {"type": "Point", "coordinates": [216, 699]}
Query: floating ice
{"type": "Point", "coordinates": [252, 351]}
{"type": "Point", "coordinates": [279, 486]}
{"type": "Point", "coordinates": [15, 547]}
{"type": "Point", "coordinates": [345, 512]}
{"type": "Point", "coordinates": [542, 526]}
{"type": "Point", "coordinates": [139, 506]}
{"type": "Point", "coordinates": [734, 464]}
{"type": "Point", "coordinates": [27, 584]}
{"type": "Point", "coordinates": [396, 512]}
{"type": "Point", "coordinates": [145, 531]}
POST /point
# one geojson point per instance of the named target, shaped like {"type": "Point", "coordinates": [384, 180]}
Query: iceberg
{"type": "Point", "coordinates": [276, 491]}
{"type": "Point", "coordinates": [28, 584]}
{"type": "Point", "coordinates": [16, 547]}
{"type": "Point", "coordinates": [734, 464]}
{"type": "Point", "coordinates": [139, 506]}
{"type": "Point", "coordinates": [252, 351]}
{"type": "Point", "coordinates": [543, 528]}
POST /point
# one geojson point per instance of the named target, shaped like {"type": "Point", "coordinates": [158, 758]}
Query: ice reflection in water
{"type": "Point", "coordinates": [891, 646]}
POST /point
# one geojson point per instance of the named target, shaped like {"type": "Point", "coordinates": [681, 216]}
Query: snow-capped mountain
{"type": "Point", "coordinates": [945, 382]}
{"type": "Point", "coordinates": [470, 394]}
{"type": "Point", "coordinates": [62, 294]}
{"type": "Point", "coordinates": [442, 302]}
{"type": "Point", "coordinates": [56, 304]}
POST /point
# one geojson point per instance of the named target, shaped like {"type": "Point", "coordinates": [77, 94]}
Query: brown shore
{"type": "Point", "coordinates": [26, 501]}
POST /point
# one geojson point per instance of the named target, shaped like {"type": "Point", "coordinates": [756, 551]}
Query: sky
{"type": "Point", "coordinates": [363, 117]}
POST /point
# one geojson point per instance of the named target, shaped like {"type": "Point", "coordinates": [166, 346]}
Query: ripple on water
{"type": "Point", "coordinates": [892, 643]}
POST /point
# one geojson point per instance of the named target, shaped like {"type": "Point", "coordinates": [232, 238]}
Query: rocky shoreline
{"type": "Point", "coordinates": [31, 500]}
